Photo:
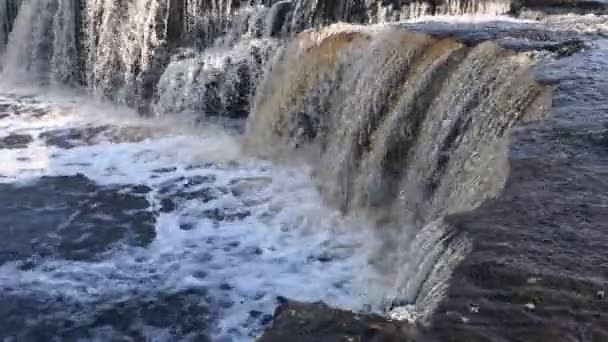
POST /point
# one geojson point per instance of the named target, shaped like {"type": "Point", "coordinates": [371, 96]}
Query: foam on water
{"type": "Point", "coordinates": [467, 18]}
{"type": "Point", "coordinates": [265, 232]}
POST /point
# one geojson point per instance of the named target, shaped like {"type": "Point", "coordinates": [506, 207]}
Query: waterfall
{"type": "Point", "coordinates": [43, 42]}
{"type": "Point", "coordinates": [390, 11]}
{"type": "Point", "coordinates": [408, 126]}
{"type": "Point", "coordinates": [384, 95]}
{"type": "Point", "coordinates": [205, 20]}
{"type": "Point", "coordinates": [28, 49]}
{"type": "Point", "coordinates": [216, 82]}
{"type": "Point", "coordinates": [65, 44]}
{"type": "Point", "coordinates": [122, 49]}
{"type": "Point", "coordinates": [401, 126]}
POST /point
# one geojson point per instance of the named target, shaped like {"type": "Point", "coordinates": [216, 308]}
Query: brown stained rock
{"type": "Point", "coordinates": [317, 322]}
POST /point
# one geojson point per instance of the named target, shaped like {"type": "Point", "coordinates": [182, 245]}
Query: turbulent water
{"type": "Point", "coordinates": [125, 227]}
{"type": "Point", "coordinates": [173, 170]}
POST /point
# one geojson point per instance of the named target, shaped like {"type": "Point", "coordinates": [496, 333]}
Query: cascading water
{"type": "Point", "coordinates": [124, 41]}
{"type": "Point", "coordinates": [216, 82]}
{"type": "Point", "coordinates": [220, 79]}
{"type": "Point", "coordinates": [391, 119]}
{"type": "Point", "coordinates": [128, 45]}
{"type": "Point", "coordinates": [120, 49]}
{"type": "Point", "coordinates": [43, 44]}
{"type": "Point", "coordinates": [397, 10]}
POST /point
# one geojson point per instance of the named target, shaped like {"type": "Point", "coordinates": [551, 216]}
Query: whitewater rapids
{"type": "Point", "coordinates": [199, 221]}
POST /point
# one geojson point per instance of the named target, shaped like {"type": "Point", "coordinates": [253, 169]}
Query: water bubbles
{"type": "Point", "coordinates": [181, 240]}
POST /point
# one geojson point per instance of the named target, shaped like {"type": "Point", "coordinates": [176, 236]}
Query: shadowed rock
{"type": "Point", "coordinates": [15, 141]}
{"type": "Point", "coordinates": [317, 322]}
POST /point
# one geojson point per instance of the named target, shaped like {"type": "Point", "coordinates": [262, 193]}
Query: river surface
{"type": "Point", "coordinates": [117, 226]}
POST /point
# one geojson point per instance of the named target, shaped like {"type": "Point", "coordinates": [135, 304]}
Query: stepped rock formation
{"type": "Point", "coordinates": [516, 205]}
{"type": "Point", "coordinates": [400, 126]}
{"type": "Point", "coordinates": [481, 219]}
{"type": "Point", "coordinates": [120, 49]}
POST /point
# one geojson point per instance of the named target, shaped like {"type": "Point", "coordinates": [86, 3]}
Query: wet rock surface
{"type": "Point", "coordinates": [70, 138]}
{"type": "Point", "coordinates": [317, 322]}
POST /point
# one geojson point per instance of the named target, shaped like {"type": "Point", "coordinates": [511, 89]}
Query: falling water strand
{"type": "Point", "coordinates": [4, 25]}
{"type": "Point", "coordinates": [122, 48]}
{"type": "Point", "coordinates": [43, 43]}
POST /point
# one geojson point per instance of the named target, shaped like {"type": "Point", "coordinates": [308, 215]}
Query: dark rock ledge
{"type": "Point", "coordinates": [317, 322]}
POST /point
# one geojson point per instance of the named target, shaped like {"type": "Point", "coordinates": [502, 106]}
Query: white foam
{"type": "Point", "coordinates": [288, 225]}
{"type": "Point", "coordinates": [183, 85]}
